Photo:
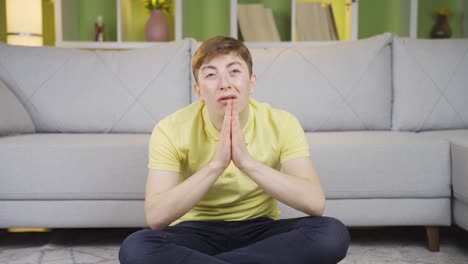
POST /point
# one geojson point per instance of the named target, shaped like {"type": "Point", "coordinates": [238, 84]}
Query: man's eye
{"type": "Point", "coordinates": [235, 71]}
{"type": "Point", "coordinates": [209, 75]}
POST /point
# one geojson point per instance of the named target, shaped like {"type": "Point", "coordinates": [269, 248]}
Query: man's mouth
{"type": "Point", "coordinates": [225, 99]}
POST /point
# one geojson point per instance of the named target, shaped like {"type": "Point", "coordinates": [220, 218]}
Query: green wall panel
{"type": "Point", "coordinates": [2, 21]}
{"type": "Point", "coordinates": [404, 21]}
{"type": "Point", "coordinates": [70, 20]}
{"type": "Point", "coordinates": [426, 19]}
{"type": "Point", "coordinates": [205, 18]}
{"type": "Point", "coordinates": [377, 17]}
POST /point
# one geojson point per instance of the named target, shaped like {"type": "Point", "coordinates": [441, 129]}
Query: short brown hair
{"type": "Point", "coordinates": [217, 46]}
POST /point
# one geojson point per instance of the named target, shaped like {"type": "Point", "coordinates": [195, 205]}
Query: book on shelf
{"type": "Point", "coordinates": [256, 23]}
{"type": "Point", "coordinates": [332, 23]}
{"type": "Point", "coordinates": [315, 22]}
{"type": "Point", "coordinates": [244, 23]}
{"type": "Point", "coordinates": [273, 32]}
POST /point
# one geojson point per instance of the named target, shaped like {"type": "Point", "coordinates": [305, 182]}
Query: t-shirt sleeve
{"type": "Point", "coordinates": [162, 153]}
{"type": "Point", "coordinates": [294, 142]}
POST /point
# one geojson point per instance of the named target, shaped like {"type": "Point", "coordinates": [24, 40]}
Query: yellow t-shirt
{"type": "Point", "coordinates": [187, 140]}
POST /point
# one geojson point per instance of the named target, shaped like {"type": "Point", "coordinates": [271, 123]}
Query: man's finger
{"type": "Point", "coordinates": [228, 119]}
{"type": "Point", "coordinates": [234, 108]}
{"type": "Point", "coordinates": [235, 115]}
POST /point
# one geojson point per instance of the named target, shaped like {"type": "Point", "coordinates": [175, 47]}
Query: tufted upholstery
{"type": "Point", "coordinates": [68, 90]}
{"type": "Point", "coordinates": [430, 84]}
{"type": "Point", "coordinates": [13, 117]}
{"type": "Point", "coordinates": [346, 86]}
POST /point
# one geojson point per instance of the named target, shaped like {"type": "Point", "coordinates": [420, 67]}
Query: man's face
{"type": "Point", "coordinates": [222, 78]}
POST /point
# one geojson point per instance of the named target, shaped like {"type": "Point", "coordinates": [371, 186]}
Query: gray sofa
{"type": "Point", "coordinates": [386, 119]}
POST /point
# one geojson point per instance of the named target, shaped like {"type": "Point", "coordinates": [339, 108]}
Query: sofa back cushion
{"type": "Point", "coordinates": [344, 86]}
{"type": "Point", "coordinates": [13, 117]}
{"type": "Point", "coordinates": [430, 84]}
{"type": "Point", "coordinates": [68, 90]}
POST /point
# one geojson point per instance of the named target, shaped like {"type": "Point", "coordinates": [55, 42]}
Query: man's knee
{"type": "Point", "coordinates": [330, 233]}
{"type": "Point", "coordinates": [138, 245]}
{"type": "Point", "coordinates": [338, 242]}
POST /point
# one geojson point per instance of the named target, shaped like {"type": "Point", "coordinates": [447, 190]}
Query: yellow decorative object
{"type": "Point", "coordinates": [157, 4]}
{"type": "Point", "coordinates": [443, 11]}
{"type": "Point", "coordinates": [28, 229]}
{"type": "Point", "coordinates": [24, 22]}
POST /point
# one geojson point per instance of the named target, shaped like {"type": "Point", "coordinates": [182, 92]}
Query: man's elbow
{"type": "Point", "coordinates": [154, 220]}
{"type": "Point", "coordinates": [156, 224]}
{"type": "Point", "coordinates": [317, 208]}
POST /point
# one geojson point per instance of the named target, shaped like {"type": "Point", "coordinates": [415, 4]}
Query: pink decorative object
{"type": "Point", "coordinates": [157, 29]}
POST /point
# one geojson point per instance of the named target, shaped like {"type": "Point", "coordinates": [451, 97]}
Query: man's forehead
{"type": "Point", "coordinates": [226, 59]}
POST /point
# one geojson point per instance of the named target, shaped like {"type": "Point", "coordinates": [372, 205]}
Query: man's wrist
{"type": "Point", "coordinates": [218, 167]}
{"type": "Point", "coordinates": [247, 165]}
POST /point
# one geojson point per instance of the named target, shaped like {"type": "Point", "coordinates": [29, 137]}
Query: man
{"type": "Point", "coordinates": [213, 181]}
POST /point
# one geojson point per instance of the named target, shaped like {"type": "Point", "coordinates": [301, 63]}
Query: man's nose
{"type": "Point", "coordinates": [225, 83]}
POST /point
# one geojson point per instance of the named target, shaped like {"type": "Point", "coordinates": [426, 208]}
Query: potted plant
{"type": "Point", "coordinates": [157, 28]}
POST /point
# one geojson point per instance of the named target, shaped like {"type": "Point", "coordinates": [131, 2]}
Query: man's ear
{"type": "Point", "coordinates": [253, 84]}
{"type": "Point", "coordinates": [196, 88]}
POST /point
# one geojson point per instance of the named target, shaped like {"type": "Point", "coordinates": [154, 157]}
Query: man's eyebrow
{"type": "Point", "coordinates": [208, 67]}
{"type": "Point", "coordinates": [234, 62]}
{"type": "Point", "coordinates": [211, 67]}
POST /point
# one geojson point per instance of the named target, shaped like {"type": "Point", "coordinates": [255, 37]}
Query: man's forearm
{"type": "Point", "coordinates": [164, 208]}
{"type": "Point", "coordinates": [297, 192]}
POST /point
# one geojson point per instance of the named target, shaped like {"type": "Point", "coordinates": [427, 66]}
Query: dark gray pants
{"type": "Point", "coordinates": [263, 240]}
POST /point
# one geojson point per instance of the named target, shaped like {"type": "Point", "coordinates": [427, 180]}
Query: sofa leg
{"type": "Point", "coordinates": [432, 233]}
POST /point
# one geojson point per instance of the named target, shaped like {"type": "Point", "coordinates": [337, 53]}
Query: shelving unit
{"type": "Point", "coordinates": [201, 18]}
{"type": "Point", "coordinates": [350, 20]}
{"type": "Point", "coordinates": [74, 28]}
{"type": "Point", "coordinates": [124, 20]}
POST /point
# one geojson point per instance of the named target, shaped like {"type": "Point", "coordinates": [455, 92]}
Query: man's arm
{"type": "Point", "coordinates": [297, 185]}
{"type": "Point", "coordinates": [166, 199]}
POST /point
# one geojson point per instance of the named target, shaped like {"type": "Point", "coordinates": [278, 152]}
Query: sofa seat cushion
{"type": "Point", "coordinates": [381, 164]}
{"type": "Point", "coordinates": [73, 166]}
{"type": "Point", "coordinates": [459, 152]}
